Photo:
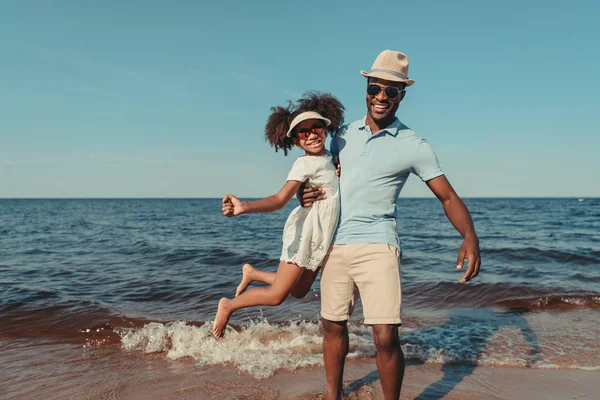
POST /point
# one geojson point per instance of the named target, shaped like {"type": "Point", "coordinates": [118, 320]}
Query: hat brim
{"type": "Point", "coordinates": [386, 76]}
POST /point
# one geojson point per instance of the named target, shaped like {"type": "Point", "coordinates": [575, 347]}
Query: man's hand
{"type": "Point", "coordinates": [232, 206]}
{"type": "Point", "coordinates": [308, 195]}
{"type": "Point", "coordinates": [469, 250]}
{"type": "Point", "coordinates": [338, 166]}
{"type": "Point", "coordinates": [459, 216]}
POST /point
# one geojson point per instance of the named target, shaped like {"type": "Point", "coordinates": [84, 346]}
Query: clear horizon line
{"type": "Point", "coordinates": [251, 197]}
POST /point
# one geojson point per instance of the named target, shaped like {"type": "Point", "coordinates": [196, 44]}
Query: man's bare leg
{"type": "Point", "coordinates": [390, 360]}
{"type": "Point", "coordinates": [335, 349]}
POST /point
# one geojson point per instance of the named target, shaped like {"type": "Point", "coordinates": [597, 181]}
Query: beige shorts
{"type": "Point", "coordinates": [373, 269]}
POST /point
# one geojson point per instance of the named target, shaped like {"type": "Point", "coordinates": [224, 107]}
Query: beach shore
{"type": "Point", "coordinates": [57, 373]}
{"type": "Point", "coordinates": [114, 299]}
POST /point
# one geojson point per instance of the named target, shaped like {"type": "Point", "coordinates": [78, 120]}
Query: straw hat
{"type": "Point", "coordinates": [303, 117]}
{"type": "Point", "coordinates": [390, 65]}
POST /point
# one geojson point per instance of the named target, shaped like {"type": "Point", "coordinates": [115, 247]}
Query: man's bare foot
{"type": "Point", "coordinates": [247, 271]}
{"type": "Point", "coordinates": [332, 396]}
{"type": "Point", "coordinates": [221, 318]}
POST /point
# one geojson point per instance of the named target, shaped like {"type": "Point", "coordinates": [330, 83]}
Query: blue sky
{"type": "Point", "coordinates": [169, 99]}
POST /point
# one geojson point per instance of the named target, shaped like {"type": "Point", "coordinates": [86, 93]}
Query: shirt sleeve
{"type": "Point", "coordinates": [425, 164]}
{"type": "Point", "coordinates": [300, 170]}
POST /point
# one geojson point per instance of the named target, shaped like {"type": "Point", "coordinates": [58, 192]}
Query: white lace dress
{"type": "Point", "coordinates": [308, 231]}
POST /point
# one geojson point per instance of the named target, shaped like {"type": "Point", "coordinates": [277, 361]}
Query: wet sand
{"type": "Point", "coordinates": [64, 372]}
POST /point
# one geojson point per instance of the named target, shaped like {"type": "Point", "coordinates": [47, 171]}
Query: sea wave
{"type": "Point", "coordinates": [258, 349]}
{"type": "Point", "coordinates": [555, 302]}
{"type": "Point", "coordinates": [261, 348]}
{"type": "Point", "coordinates": [534, 254]}
{"type": "Point", "coordinates": [32, 308]}
{"type": "Point", "coordinates": [500, 336]}
{"type": "Point", "coordinates": [445, 295]}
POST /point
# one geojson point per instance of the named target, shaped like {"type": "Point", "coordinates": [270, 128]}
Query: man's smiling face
{"type": "Point", "coordinates": [380, 107]}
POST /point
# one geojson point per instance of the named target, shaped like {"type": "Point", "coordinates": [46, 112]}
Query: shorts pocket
{"type": "Point", "coordinates": [393, 250]}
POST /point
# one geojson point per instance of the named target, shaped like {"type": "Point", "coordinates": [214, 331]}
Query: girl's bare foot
{"type": "Point", "coordinates": [247, 271]}
{"type": "Point", "coordinates": [221, 318]}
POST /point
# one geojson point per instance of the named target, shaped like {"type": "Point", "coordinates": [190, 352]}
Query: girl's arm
{"type": "Point", "coordinates": [233, 206]}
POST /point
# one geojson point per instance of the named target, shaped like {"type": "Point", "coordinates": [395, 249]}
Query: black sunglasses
{"type": "Point", "coordinates": [392, 92]}
{"type": "Point", "coordinates": [304, 133]}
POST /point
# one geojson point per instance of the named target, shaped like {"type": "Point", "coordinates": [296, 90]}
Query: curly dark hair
{"type": "Point", "coordinates": [279, 121]}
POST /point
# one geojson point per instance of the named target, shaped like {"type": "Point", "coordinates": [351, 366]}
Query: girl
{"type": "Point", "coordinates": [308, 231]}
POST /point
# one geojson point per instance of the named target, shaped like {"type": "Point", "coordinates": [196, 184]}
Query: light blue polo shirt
{"type": "Point", "coordinates": [374, 170]}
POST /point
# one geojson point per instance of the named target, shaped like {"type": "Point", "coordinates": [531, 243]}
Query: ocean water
{"type": "Point", "coordinates": [143, 276]}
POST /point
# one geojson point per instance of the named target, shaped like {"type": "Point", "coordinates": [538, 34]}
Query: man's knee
{"type": "Point", "coordinates": [334, 329]}
{"type": "Point", "coordinates": [386, 337]}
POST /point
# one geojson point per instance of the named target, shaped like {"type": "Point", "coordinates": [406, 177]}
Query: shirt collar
{"type": "Point", "coordinates": [392, 128]}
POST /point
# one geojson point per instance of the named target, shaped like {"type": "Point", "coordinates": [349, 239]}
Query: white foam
{"type": "Point", "coordinates": [260, 348]}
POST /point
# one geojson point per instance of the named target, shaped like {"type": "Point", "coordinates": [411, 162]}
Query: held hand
{"type": "Point", "coordinates": [469, 250]}
{"type": "Point", "coordinates": [232, 206]}
{"type": "Point", "coordinates": [308, 195]}
{"type": "Point", "coordinates": [338, 166]}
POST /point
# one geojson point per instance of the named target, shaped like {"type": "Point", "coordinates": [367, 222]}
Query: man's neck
{"type": "Point", "coordinates": [379, 125]}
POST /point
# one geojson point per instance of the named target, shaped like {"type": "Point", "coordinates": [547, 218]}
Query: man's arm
{"type": "Point", "coordinates": [308, 195]}
{"type": "Point", "coordinates": [459, 216]}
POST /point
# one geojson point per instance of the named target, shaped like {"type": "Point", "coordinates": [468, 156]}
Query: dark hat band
{"type": "Point", "coordinates": [389, 71]}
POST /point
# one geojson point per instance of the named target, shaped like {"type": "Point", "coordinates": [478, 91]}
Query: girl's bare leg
{"type": "Point", "coordinates": [251, 274]}
{"type": "Point", "coordinates": [286, 277]}
{"type": "Point", "coordinates": [304, 284]}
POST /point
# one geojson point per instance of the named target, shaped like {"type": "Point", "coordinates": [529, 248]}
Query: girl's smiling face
{"type": "Point", "coordinates": [310, 136]}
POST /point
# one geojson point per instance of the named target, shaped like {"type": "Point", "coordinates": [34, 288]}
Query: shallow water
{"type": "Point", "coordinates": [144, 276]}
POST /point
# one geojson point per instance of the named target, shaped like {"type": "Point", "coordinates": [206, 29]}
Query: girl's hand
{"type": "Point", "coordinates": [232, 206]}
{"type": "Point", "coordinates": [338, 166]}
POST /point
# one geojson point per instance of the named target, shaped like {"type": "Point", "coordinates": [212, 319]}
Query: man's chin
{"type": "Point", "coordinates": [377, 117]}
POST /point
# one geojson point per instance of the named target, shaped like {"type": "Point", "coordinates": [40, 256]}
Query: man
{"type": "Point", "coordinates": [377, 155]}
